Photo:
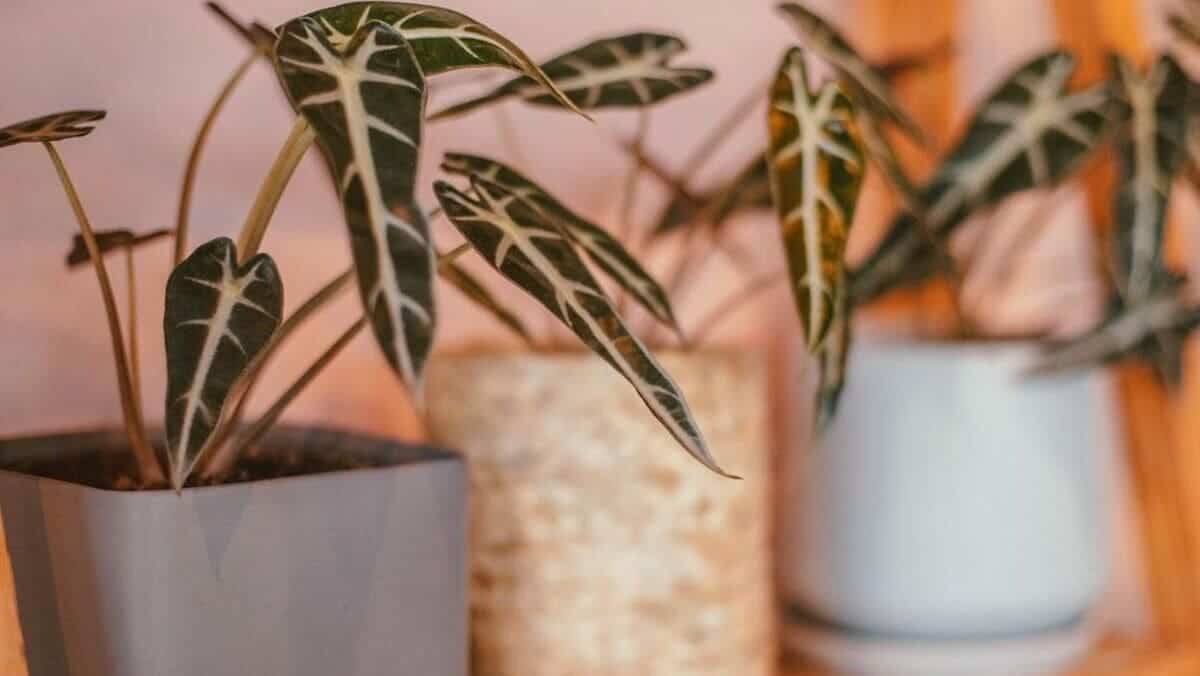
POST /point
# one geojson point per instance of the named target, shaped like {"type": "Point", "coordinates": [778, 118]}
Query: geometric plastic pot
{"type": "Point", "coordinates": [354, 573]}
{"type": "Point", "coordinates": [954, 503]}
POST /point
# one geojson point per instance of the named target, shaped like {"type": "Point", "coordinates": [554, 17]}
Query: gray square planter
{"type": "Point", "coordinates": [354, 573]}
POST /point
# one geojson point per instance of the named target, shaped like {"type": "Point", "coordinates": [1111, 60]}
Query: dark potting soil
{"type": "Point", "coordinates": [111, 470]}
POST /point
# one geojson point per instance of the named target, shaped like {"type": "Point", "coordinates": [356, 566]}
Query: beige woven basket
{"type": "Point", "coordinates": [599, 547]}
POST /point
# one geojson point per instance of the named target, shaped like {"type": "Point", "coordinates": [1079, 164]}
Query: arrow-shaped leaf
{"type": "Point", "coordinates": [832, 358]}
{"type": "Point", "coordinates": [816, 167]}
{"type": "Point", "coordinates": [602, 248]}
{"type": "Point", "coordinates": [365, 105]}
{"type": "Point", "coordinates": [625, 71]}
{"type": "Point", "coordinates": [1150, 148]}
{"type": "Point", "coordinates": [53, 127]}
{"type": "Point", "coordinates": [218, 318]}
{"type": "Point", "coordinates": [441, 40]}
{"type": "Point", "coordinates": [1152, 329]}
{"type": "Point", "coordinates": [532, 252]}
{"type": "Point", "coordinates": [109, 240]}
{"type": "Point", "coordinates": [1030, 132]}
{"type": "Point", "coordinates": [473, 289]}
{"type": "Point", "coordinates": [866, 83]}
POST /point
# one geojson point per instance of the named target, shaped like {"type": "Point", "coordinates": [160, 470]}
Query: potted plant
{"type": "Point", "coordinates": [951, 512]}
{"type": "Point", "coordinates": [296, 550]}
{"type": "Point", "coordinates": [594, 549]}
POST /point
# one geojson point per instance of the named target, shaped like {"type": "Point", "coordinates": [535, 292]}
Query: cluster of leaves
{"type": "Point", "coordinates": [356, 75]}
{"type": "Point", "coordinates": [1032, 131]}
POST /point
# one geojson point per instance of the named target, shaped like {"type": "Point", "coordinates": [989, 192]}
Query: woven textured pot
{"type": "Point", "coordinates": [356, 573]}
{"type": "Point", "coordinates": [598, 547]}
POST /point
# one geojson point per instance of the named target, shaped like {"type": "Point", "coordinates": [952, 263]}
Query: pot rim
{"type": "Point", "coordinates": [112, 439]}
{"type": "Point", "coordinates": [565, 352]}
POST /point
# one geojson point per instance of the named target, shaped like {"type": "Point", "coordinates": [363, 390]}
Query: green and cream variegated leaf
{"type": "Point", "coordinates": [52, 127]}
{"type": "Point", "coordinates": [832, 359]}
{"type": "Point", "coordinates": [218, 318]}
{"type": "Point", "coordinates": [863, 81]}
{"type": "Point", "coordinates": [601, 247]}
{"type": "Point", "coordinates": [365, 104]}
{"type": "Point", "coordinates": [1029, 133]}
{"type": "Point", "coordinates": [1150, 145]}
{"type": "Point", "coordinates": [477, 293]}
{"type": "Point", "coordinates": [816, 166]}
{"type": "Point", "coordinates": [110, 240]}
{"type": "Point", "coordinates": [1153, 329]}
{"type": "Point", "coordinates": [625, 71]}
{"type": "Point", "coordinates": [441, 39]}
{"type": "Point", "coordinates": [534, 253]}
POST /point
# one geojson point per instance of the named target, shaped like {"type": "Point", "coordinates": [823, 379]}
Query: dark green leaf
{"type": "Point", "coordinates": [816, 166]}
{"type": "Point", "coordinates": [749, 190]}
{"type": "Point", "coordinates": [1150, 148]}
{"type": "Point", "coordinates": [109, 240]}
{"type": "Point", "coordinates": [1030, 132]}
{"type": "Point", "coordinates": [603, 250]}
{"type": "Point", "coordinates": [218, 318]}
{"type": "Point", "coordinates": [442, 40]}
{"type": "Point", "coordinates": [863, 81]}
{"type": "Point", "coordinates": [831, 360]}
{"type": "Point", "coordinates": [532, 252]}
{"type": "Point", "coordinates": [1153, 329]}
{"type": "Point", "coordinates": [365, 105]}
{"type": "Point", "coordinates": [625, 71]}
{"type": "Point", "coordinates": [53, 127]}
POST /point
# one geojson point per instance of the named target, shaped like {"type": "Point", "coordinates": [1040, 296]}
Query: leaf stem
{"type": "Point", "coordinates": [297, 144]}
{"type": "Point", "coordinates": [131, 320]}
{"type": "Point", "coordinates": [193, 161]}
{"type": "Point", "coordinates": [728, 307]}
{"type": "Point", "coordinates": [221, 460]}
{"type": "Point", "coordinates": [149, 469]}
{"type": "Point", "coordinates": [268, 419]}
{"type": "Point", "coordinates": [448, 258]}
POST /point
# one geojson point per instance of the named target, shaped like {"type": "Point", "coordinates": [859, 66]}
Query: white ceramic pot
{"type": "Point", "coordinates": [951, 498]}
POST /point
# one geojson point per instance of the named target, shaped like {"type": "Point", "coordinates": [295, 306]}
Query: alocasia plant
{"type": "Point", "coordinates": [357, 75]}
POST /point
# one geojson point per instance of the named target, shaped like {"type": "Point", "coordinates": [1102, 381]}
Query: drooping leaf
{"type": "Point", "coordinates": [110, 240]}
{"type": "Point", "coordinates": [625, 71]}
{"type": "Point", "coordinates": [1030, 132]}
{"type": "Point", "coordinates": [473, 289]}
{"type": "Point", "coordinates": [863, 82]}
{"type": "Point", "coordinates": [441, 39]}
{"type": "Point", "coordinates": [218, 318]}
{"type": "Point", "coordinates": [532, 252]}
{"type": "Point", "coordinates": [831, 361]}
{"type": "Point", "coordinates": [1152, 329]}
{"type": "Point", "coordinates": [1150, 147]}
{"type": "Point", "coordinates": [365, 105]}
{"type": "Point", "coordinates": [52, 127]}
{"type": "Point", "coordinates": [816, 168]}
{"type": "Point", "coordinates": [601, 248]}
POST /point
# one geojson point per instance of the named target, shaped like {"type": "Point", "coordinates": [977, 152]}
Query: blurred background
{"type": "Point", "coordinates": [155, 66]}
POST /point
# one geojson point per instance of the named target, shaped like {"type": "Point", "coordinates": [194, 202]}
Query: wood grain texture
{"type": "Point", "coordinates": [1161, 437]}
{"type": "Point", "coordinates": [12, 647]}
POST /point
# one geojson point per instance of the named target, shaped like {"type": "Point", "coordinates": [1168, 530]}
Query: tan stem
{"type": "Point", "coordinates": [448, 258]}
{"type": "Point", "coordinates": [131, 321]}
{"type": "Point", "coordinates": [298, 142]}
{"type": "Point", "coordinates": [729, 307]}
{"type": "Point", "coordinates": [149, 470]}
{"type": "Point", "coordinates": [193, 161]}
{"type": "Point", "coordinates": [223, 457]}
{"type": "Point", "coordinates": [268, 419]}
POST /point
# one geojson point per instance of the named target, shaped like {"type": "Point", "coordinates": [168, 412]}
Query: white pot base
{"type": "Point", "coordinates": [864, 655]}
